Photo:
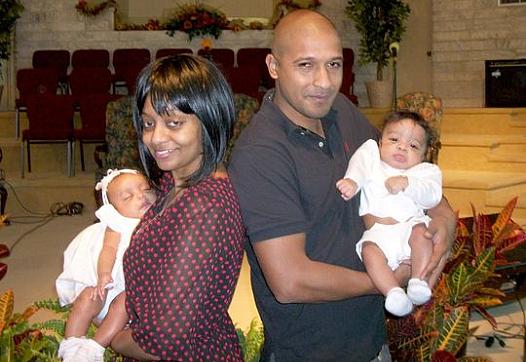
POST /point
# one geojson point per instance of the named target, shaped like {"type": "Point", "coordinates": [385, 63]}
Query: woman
{"type": "Point", "coordinates": [184, 258]}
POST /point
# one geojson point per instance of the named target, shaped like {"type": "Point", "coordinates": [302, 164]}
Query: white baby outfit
{"type": "Point", "coordinates": [423, 192]}
{"type": "Point", "coordinates": [81, 255]}
{"type": "Point", "coordinates": [407, 207]}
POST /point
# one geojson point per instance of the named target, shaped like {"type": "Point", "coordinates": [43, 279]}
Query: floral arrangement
{"type": "Point", "coordinates": [197, 19]}
{"type": "Point", "coordinates": [85, 9]}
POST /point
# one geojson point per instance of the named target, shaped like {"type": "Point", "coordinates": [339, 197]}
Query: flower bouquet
{"type": "Point", "coordinates": [197, 19]}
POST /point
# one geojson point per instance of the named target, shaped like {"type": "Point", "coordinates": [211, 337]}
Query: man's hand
{"type": "Point", "coordinates": [396, 184]}
{"type": "Point", "coordinates": [441, 231]}
{"type": "Point", "coordinates": [347, 188]}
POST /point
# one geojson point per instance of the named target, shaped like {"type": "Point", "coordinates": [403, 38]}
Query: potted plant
{"type": "Point", "coordinates": [10, 11]}
{"type": "Point", "coordinates": [380, 24]}
{"type": "Point", "coordinates": [438, 330]}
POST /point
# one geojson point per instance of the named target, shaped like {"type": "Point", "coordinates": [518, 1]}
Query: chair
{"type": "Point", "coordinates": [164, 52]}
{"type": "Point", "coordinates": [348, 75]}
{"type": "Point", "coordinates": [245, 79]}
{"type": "Point", "coordinates": [222, 57]}
{"type": "Point", "coordinates": [90, 58]}
{"type": "Point", "coordinates": [251, 56]}
{"type": "Point", "coordinates": [87, 81]}
{"type": "Point", "coordinates": [431, 109]}
{"type": "Point", "coordinates": [30, 82]}
{"type": "Point", "coordinates": [58, 59]}
{"type": "Point", "coordinates": [93, 120]}
{"type": "Point", "coordinates": [127, 63]}
{"type": "Point", "coordinates": [50, 121]}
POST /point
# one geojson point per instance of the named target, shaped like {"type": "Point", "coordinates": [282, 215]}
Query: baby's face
{"type": "Point", "coordinates": [403, 144]}
{"type": "Point", "coordinates": [131, 195]}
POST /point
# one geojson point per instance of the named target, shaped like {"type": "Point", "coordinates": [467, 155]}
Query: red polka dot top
{"type": "Point", "coordinates": [181, 269]}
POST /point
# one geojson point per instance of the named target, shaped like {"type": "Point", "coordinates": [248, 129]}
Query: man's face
{"type": "Point", "coordinates": [308, 73]}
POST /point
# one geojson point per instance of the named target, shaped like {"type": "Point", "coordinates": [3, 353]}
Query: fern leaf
{"type": "Point", "coordinates": [7, 301]}
{"type": "Point", "coordinates": [499, 227]}
{"type": "Point", "coordinates": [53, 305]}
{"type": "Point", "coordinates": [57, 326]}
{"type": "Point", "coordinates": [454, 333]}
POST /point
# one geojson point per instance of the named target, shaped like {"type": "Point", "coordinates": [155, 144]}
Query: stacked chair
{"type": "Point", "coordinates": [58, 59]}
{"type": "Point", "coordinates": [50, 119]}
{"type": "Point", "coordinates": [127, 63]}
{"type": "Point", "coordinates": [164, 52]}
{"type": "Point", "coordinates": [30, 81]}
{"type": "Point", "coordinates": [90, 86]}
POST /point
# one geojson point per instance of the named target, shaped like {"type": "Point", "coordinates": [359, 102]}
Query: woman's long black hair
{"type": "Point", "coordinates": [193, 85]}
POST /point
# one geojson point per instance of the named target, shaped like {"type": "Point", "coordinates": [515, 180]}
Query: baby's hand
{"type": "Point", "coordinates": [396, 184]}
{"type": "Point", "coordinates": [347, 188]}
{"type": "Point", "coordinates": [102, 284]}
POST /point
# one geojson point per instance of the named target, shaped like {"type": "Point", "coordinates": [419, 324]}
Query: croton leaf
{"type": "Point", "coordinates": [503, 218]}
{"type": "Point", "coordinates": [454, 333]}
{"type": "Point", "coordinates": [7, 301]}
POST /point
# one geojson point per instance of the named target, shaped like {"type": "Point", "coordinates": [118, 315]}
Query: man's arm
{"type": "Point", "coordinates": [294, 278]}
{"type": "Point", "coordinates": [442, 231]}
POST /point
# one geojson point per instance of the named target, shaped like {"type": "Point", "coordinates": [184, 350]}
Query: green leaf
{"type": "Point", "coordinates": [454, 332]}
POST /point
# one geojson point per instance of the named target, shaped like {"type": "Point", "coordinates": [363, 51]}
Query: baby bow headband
{"type": "Point", "coordinates": [106, 180]}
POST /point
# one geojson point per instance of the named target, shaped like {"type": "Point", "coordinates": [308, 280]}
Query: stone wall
{"type": "Point", "coordinates": [465, 33]}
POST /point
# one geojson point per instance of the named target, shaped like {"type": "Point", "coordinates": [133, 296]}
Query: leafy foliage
{"type": "Point", "coordinates": [23, 341]}
{"type": "Point", "coordinates": [438, 330]}
{"type": "Point", "coordinates": [9, 13]}
{"type": "Point", "coordinates": [380, 23]}
{"type": "Point", "coordinates": [251, 341]}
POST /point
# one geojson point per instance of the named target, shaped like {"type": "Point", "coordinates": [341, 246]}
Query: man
{"type": "Point", "coordinates": [315, 300]}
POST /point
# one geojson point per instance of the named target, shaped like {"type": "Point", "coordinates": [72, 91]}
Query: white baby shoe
{"type": "Point", "coordinates": [397, 302]}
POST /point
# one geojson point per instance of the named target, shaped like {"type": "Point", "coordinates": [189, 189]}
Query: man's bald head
{"type": "Point", "coordinates": [297, 25]}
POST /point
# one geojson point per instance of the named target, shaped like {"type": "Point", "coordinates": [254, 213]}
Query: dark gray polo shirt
{"type": "Point", "coordinates": [285, 178]}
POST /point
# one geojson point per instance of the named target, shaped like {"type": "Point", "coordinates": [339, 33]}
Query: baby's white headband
{"type": "Point", "coordinates": [110, 175]}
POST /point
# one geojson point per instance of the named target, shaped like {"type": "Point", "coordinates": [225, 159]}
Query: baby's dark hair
{"type": "Point", "coordinates": [429, 133]}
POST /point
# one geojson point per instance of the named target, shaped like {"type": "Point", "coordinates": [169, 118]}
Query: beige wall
{"type": "Point", "coordinates": [460, 33]}
{"type": "Point", "coordinates": [139, 11]}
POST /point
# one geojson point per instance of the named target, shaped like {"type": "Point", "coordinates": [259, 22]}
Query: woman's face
{"type": "Point", "coordinates": [174, 140]}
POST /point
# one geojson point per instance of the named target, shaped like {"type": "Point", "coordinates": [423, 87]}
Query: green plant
{"type": "Point", "coordinates": [251, 341]}
{"type": "Point", "coordinates": [438, 330]}
{"type": "Point", "coordinates": [25, 341]}
{"type": "Point", "coordinates": [380, 23]}
{"type": "Point", "coordinates": [10, 11]}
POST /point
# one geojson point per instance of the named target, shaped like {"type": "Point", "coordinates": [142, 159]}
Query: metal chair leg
{"type": "Point", "coordinates": [17, 123]}
{"type": "Point", "coordinates": [22, 157]}
{"type": "Point", "coordinates": [28, 156]}
{"type": "Point", "coordinates": [82, 165]}
{"type": "Point", "coordinates": [71, 158]}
